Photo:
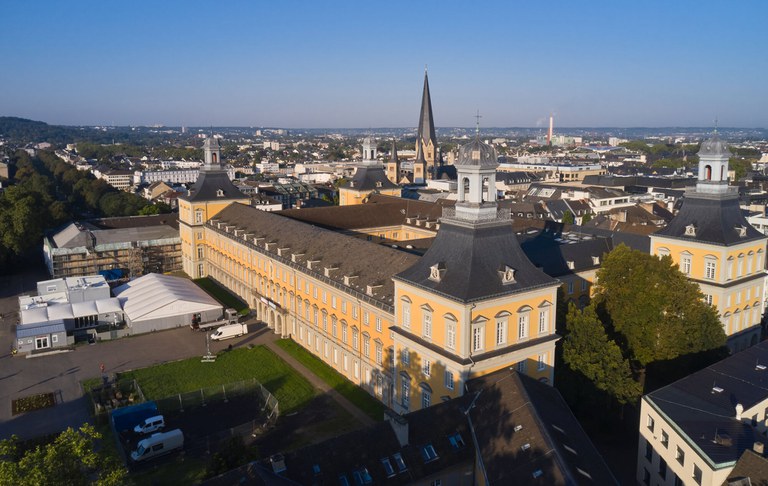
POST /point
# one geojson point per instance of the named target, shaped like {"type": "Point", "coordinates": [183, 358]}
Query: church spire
{"type": "Point", "coordinates": [426, 140]}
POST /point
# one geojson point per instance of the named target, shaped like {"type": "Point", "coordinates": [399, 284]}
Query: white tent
{"type": "Point", "coordinates": [155, 301]}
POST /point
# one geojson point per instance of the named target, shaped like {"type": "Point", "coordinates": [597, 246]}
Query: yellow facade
{"type": "Point", "coordinates": [730, 277]}
{"type": "Point", "coordinates": [351, 197]}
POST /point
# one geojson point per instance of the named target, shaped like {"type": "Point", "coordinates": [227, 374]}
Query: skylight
{"type": "Point", "coordinates": [456, 441]}
{"type": "Point", "coordinates": [526, 446]}
{"type": "Point", "coordinates": [401, 467]}
{"type": "Point", "coordinates": [428, 453]}
{"type": "Point", "coordinates": [388, 467]}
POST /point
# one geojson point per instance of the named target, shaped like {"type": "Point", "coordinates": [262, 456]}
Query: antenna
{"type": "Point", "coordinates": [715, 123]}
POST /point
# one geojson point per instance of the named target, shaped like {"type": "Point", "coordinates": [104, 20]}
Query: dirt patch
{"type": "Point", "coordinates": [32, 403]}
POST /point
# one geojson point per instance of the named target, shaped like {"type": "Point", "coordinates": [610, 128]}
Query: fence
{"type": "Point", "coordinates": [112, 395]}
{"type": "Point", "coordinates": [204, 396]}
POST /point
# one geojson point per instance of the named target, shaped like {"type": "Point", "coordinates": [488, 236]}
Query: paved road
{"type": "Point", "coordinates": [62, 373]}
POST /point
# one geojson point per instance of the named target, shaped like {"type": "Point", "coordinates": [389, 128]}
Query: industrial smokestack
{"type": "Point", "coordinates": [549, 133]}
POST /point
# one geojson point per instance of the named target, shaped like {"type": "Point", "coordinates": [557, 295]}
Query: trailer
{"type": "Point", "coordinates": [230, 317]}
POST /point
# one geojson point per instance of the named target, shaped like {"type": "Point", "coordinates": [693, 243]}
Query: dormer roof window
{"type": "Point", "coordinates": [690, 230]}
{"type": "Point", "coordinates": [742, 230]}
{"type": "Point", "coordinates": [219, 193]}
{"type": "Point", "coordinates": [437, 271]}
{"type": "Point", "coordinates": [507, 274]}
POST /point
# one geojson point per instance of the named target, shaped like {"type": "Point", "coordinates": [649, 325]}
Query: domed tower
{"type": "Point", "coordinates": [473, 303]}
{"type": "Point", "coordinates": [713, 244]}
{"type": "Point", "coordinates": [369, 177]}
{"type": "Point", "coordinates": [212, 192]}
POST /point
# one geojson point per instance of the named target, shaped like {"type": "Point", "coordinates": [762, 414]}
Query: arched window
{"type": "Point", "coordinates": [708, 172]}
{"type": "Point", "coordinates": [502, 322]}
{"type": "Point", "coordinates": [523, 320]}
{"type": "Point", "coordinates": [450, 331]}
{"type": "Point", "coordinates": [426, 321]}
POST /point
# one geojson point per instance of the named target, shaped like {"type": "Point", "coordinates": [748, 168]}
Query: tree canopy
{"type": "Point", "coordinates": [70, 459]}
{"type": "Point", "coordinates": [654, 308]}
{"type": "Point", "coordinates": [588, 350]}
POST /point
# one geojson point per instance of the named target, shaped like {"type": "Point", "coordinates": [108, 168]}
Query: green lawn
{"type": "Point", "coordinates": [290, 388]}
{"type": "Point", "coordinates": [365, 402]}
{"type": "Point", "coordinates": [222, 295]}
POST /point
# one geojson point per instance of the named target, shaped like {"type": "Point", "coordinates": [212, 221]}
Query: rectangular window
{"type": "Point", "coordinates": [664, 439]}
{"type": "Point", "coordinates": [584, 285]}
{"type": "Point", "coordinates": [405, 394]}
{"type": "Point", "coordinates": [378, 324]}
{"type": "Point", "coordinates": [366, 346]}
{"type": "Point", "coordinates": [406, 308]}
{"type": "Point", "coordinates": [477, 338]}
{"type": "Point", "coordinates": [354, 311]}
{"type": "Point", "coordinates": [570, 287]}
{"type": "Point", "coordinates": [542, 365]}
{"type": "Point", "coordinates": [662, 468]}
{"type": "Point", "coordinates": [426, 398]}
{"type": "Point", "coordinates": [426, 367]}
{"type": "Point", "coordinates": [426, 326]}
{"type": "Point", "coordinates": [346, 362]}
{"type": "Point", "coordinates": [333, 301]}
{"type": "Point", "coordinates": [522, 326]}
{"type": "Point", "coordinates": [696, 474]}
{"type": "Point", "coordinates": [335, 356]}
{"type": "Point", "coordinates": [379, 353]}
{"type": "Point", "coordinates": [355, 338]}
{"type": "Point", "coordinates": [448, 380]}
{"type": "Point", "coordinates": [680, 456]}
{"type": "Point", "coordinates": [366, 318]}
{"type": "Point", "coordinates": [651, 423]}
{"type": "Point", "coordinates": [344, 333]}
{"type": "Point", "coordinates": [344, 306]}
{"type": "Point", "coordinates": [648, 451]}
{"type": "Point", "coordinates": [543, 321]}
{"type": "Point", "coordinates": [708, 299]}
{"type": "Point", "coordinates": [450, 334]}
{"type": "Point", "coordinates": [685, 265]}
{"type": "Point", "coordinates": [709, 270]}
{"type": "Point", "coordinates": [501, 332]}
{"type": "Point", "coordinates": [314, 291]}
{"type": "Point", "coordinates": [522, 367]}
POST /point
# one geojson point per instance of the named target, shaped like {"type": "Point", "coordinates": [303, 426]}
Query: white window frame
{"type": "Point", "coordinates": [448, 380]}
{"type": "Point", "coordinates": [450, 332]}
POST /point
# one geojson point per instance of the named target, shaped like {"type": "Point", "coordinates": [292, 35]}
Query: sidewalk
{"type": "Point", "coordinates": [320, 384]}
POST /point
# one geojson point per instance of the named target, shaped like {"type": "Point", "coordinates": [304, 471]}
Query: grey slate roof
{"type": "Point", "coordinates": [714, 147]}
{"type": "Point", "coordinates": [473, 257]}
{"type": "Point", "coordinates": [477, 153]}
{"type": "Point", "coordinates": [716, 220]}
{"type": "Point", "coordinates": [369, 179]}
{"type": "Point", "coordinates": [553, 256]}
{"type": "Point", "coordinates": [700, 412]}
{"type": "Point", "coordinates": [426, 123]}
{"type": "Point", "coordinates": [208, 184]}
{"type": "Point", "coordinates": [372, 264]}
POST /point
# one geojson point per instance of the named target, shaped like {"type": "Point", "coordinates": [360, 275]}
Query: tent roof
{"type": "Point", "coordinates": [154, 296]}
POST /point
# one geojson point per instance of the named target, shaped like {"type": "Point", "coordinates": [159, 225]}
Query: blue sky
{"type": "Point", "coordinates": [361, 64]}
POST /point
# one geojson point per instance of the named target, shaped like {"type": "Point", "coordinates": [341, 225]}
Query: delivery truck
{"type": "Point", "coordinates": [230, 317]}
{"type": "Point", "coordinates": [158, 445]}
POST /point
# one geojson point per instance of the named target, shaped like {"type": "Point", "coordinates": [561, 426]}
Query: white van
{"type": "Point", "coordinates": [158, 444]}
{"type": "Point", "coordinates": [230, 331]}
{"type": "Point", "coordinates": [152, 424]}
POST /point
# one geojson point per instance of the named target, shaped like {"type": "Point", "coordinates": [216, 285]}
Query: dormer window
{"type": "Point", "coordinates": [690, 230]}
{"type": "Point", "coordinates": [742, 230]}
{"type": "Point", "coordinates": [571, 264]}
{"type": "Point", "coordinates": [219, 193]}
{"type": "Point", "coordinates": [378, 183]}
{"type": "Point", "coordinates": [507, 275]}
{"type": "Point", "coordinates": [437, 271]}
{"type": "Point", "coordinates": [595, 260]}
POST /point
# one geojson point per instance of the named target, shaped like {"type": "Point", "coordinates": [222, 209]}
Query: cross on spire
{"type": "Point", "coordinates": [477, 123]}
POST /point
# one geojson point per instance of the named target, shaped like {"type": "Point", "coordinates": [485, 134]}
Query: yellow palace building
{"type": "Point", "coordinates": [410, 330]}
{"type": "Point", "coordinates": [714, 245]}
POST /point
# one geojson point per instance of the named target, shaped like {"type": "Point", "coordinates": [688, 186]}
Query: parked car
{"type": "Point", "coordinates": [149, 425]}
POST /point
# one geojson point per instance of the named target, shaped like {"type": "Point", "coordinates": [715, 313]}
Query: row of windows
{"type": "Point", "coordinates": [478, 327]}
{"type": "Point", "coordinates": [679, 456]}
{"type": "Point", "coordinates": [710, 264]}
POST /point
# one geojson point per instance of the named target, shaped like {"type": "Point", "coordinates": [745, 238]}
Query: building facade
{"type": "Point", "coordinates": [212, 192]}
{"type": "Point", "coordinates": [369, 177]}
{"type": "Point", "coordinates": [409, 330]}
{"type": "Point", "coordinates": [714, 245]}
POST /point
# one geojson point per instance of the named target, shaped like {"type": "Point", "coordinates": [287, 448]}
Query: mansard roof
{"type": "Point", "coordinates": [714, 219]}
{"type": "Point", "coordinates": [472, 260]}
{"type": "Point", "coordinates": [208, 185]}
{"type": "Point", "coordinates": [369, 179]}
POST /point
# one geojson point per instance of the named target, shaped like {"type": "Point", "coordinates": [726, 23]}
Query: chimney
{"type": "Point", "coordinates": [551, 126]}
{"type": "Point", "coordinates": [399, 426]}
{"type": "Point", "coordinates": [739, 410]}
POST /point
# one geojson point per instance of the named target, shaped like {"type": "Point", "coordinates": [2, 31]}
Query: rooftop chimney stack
{"type": "Point", "coordinates": [551, 126]}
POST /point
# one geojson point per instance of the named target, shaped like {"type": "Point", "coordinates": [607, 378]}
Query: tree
{"type": "Point", "coordinates": [568, 217]}
{"type": "Point", "coordinates": [586, 218]}
{"type": "Point", "coordinates": [70, 459]}
{"type": "Point", "coordinates": [654, 308]}
{"type": "Point", "coordinates": [588, 350]}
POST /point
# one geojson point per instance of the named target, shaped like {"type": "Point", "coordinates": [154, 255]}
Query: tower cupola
{"type": "Point", "coordinates": [212, 153]}
{"type": "Point", "coordinates": [713, 166]}
{"type": "Point", "coordinates": [476, 171]}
